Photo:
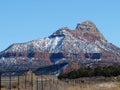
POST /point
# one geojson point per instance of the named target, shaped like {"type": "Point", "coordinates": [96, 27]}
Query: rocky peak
{"type": "Point", "coordinates": [89, 31]}
{"type": "Point", "coordinates": [85, 30]}
{"type": "Point", "coordinates": [82, 45]}
{"type": "Point", "coordinates": [87, 26]}
{"type": "Point", "coordinates": [62, 32]}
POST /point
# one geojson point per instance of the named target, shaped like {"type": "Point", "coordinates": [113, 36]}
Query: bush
{"type": "Point", "coordinates": [107, 71]}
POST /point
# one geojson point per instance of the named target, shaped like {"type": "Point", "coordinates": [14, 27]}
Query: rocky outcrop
{"type": "Point", "coordinates": [89, 31]}
{"type": "Point", "coordinates": [85, 45]}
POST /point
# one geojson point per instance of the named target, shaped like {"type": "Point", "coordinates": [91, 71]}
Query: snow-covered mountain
{"type": "Point", "coordinates": [84, 44]}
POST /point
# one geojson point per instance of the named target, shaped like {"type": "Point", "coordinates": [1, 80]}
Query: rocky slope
{"type": "Point", "coordinates": [83, 45]}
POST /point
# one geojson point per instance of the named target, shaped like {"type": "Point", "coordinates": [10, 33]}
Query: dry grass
{"type": "Point", "coordinates": [52, 83]}
{"type": "Point", "coordinates": [97, 86]}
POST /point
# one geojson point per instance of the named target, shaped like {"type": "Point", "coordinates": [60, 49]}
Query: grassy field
{"type": "Point", "coordinates": [97, 86]}
{"type": "Point", "coordinates": [52, 83]}
{"type": "Point", "coordinates": [96, 83]}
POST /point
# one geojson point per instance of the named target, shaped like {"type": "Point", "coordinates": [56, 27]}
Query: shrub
{"type": "Point", "coordinates": [107, 71]}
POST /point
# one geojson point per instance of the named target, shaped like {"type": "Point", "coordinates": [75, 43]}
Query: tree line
{"type": "Point", "coordinates": [106, 71]}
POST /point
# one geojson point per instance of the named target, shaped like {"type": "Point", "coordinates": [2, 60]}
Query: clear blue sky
{"type": "Point", "coordinates": [25, 20]}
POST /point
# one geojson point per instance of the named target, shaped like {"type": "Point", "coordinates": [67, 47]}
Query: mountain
{"type": "Point", "coordinates": [83, 46]}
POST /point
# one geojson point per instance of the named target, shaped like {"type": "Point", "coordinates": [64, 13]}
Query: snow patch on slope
{"type": "Point", "coordinates": [41, 45]}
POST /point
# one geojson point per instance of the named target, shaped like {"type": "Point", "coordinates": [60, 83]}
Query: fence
{"type": "Point", "coordinates": [30, 81]}
{"type": "Point", "coordinates": [42, 78]}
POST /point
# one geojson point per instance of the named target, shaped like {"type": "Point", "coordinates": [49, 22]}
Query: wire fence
{"type": "Point", "coordinates": [42, 78]}
{"type": "Point", "coordinates": [30, 81]}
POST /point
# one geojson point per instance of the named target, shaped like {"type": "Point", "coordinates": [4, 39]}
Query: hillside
{"type": "Point", "coordinates": [84, 45]}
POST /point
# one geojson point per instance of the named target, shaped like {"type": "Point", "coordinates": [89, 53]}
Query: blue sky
{"type": "Point", "coordinates": [25, 20]}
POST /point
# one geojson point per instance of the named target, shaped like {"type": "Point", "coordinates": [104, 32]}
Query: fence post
{"type": "Point", "coordinates": [25, 82]}
{"type": "Point", "coordinates": [31, 80]}
{"type": "Point", "coordinates": [41, 81]}
{"type": "Point", "coordinates": [18, 83]}
{"type": "Point", "coordinates": [9, 80]}
{"type": "Point", "coordinates": [0, 79]}
{"type": "Point", "coordinates": [37, 83]}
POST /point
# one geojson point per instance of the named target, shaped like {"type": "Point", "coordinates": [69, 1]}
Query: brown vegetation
{"type": "Point", "coordinates": [50, 82]}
